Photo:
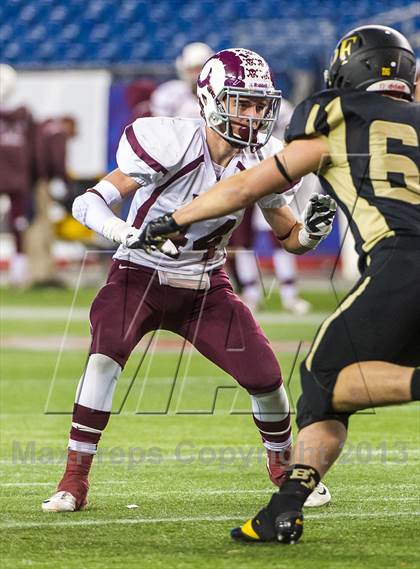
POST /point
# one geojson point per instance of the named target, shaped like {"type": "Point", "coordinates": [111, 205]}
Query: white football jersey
{"type": "Point", "coordinates": [169, 157]}
{"type": "Point", "coordinates": [174, 99]}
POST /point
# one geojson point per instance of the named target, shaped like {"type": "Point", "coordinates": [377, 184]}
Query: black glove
{"type": "Point", "coordinates": [319, 215]}
{"type": "Point", "coordinates": [156, 234]}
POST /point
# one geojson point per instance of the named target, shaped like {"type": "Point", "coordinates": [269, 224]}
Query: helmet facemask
{"type": "Point", "coordinates": [227, 115]}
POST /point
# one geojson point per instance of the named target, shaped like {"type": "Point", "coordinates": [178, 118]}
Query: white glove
{"type": "Point", "coordinates": [117, 230]}
{"type": "Point", "coordinates": [317, 220]}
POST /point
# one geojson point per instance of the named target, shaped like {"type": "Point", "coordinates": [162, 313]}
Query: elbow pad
{"type": "Point", "coordinates": [91, 210]}
{"type": "Point", "coordinates": [80, 208]}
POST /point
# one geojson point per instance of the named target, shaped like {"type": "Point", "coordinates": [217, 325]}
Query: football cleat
{"type": "Point", "coordinates": [297, 306]}
{"type": "Point", "coordinates": [319, 497]}
{"type": "Point", "coordinates": [60, 502]}
{"type": "Point", "coordinates": [287, 528]}
{"type": "Point", "coordinates": [71, 495]}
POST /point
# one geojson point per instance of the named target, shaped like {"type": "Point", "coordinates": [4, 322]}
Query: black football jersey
{"type": "Point", "coordinates": [373, 171]}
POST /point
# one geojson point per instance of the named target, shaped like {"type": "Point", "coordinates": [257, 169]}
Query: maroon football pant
{"type": "Point", "coordinates": [216, 322]}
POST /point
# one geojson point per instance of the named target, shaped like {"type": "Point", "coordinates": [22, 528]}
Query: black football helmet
{"type": "Point", "coordinates": [373, 58]}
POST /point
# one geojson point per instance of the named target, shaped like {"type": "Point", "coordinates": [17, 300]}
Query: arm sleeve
{"type": "Point", "coordinates": [92, 211]}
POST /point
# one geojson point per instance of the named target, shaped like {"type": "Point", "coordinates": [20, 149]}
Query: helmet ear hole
{"type": "Point", "coordinates": [340, 82]}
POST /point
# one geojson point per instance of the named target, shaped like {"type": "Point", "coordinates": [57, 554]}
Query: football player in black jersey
{"type": "Point", "coordinates": [361, 136]}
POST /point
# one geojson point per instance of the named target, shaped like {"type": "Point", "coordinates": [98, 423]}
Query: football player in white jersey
{"type": "Point", "coordinates": [165, 162]}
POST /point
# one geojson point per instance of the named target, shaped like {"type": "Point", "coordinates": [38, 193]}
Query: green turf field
{"type": "Point", "coordinates": [190, 463]}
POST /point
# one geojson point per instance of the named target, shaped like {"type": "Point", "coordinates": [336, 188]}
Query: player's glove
{"type": "Point", "coordinates": [117, 230]}
{"type": "Point", "coordinates": [157, 234]}
{"type": "Point", "coordinates": [317, 220]}
{"type": "Point", "coordinates": [154, 237]}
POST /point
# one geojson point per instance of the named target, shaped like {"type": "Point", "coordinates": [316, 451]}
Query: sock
{"type": "Point", "coordinates": [246, 267]}
{"type": "Point", "coordinates": [272, 417]}
{"type": "Point", "coordinates": [78, 463]}
{"type": "Point", "coordinates": [300, 481]}
{"type": "Point", "coordinates": [251, 295]}
{"type": "Point", "coordinates": [86, 428]}
{"type": "Point", "coordinates": [75, 478]}
{"type": "Point", "coordinates": [93, 405]}
{"type": "Point", "coordinates": [415, 385]}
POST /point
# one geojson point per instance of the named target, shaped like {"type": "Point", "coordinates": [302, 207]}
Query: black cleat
{"type": "Point", "coordinates": [257, 529]}
{"type": "Point", "coordinates": [289, 527]}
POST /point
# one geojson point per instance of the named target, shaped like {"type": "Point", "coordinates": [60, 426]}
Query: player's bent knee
{"type": "Point", "coordinates": [271, 406]}
{"type": "Point", "coordinates": [97, 384]}
{"type": "Point", "coordinates": [261, 385]}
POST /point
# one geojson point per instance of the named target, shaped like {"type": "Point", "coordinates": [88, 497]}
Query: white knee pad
{"type": "Point", "coordinates": [97, 384]}
{"type": "Point", "coordinates": [271, 407]}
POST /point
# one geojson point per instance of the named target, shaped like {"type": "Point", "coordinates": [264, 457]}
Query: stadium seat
{"type": "Point", "coordinates": [56, 33]}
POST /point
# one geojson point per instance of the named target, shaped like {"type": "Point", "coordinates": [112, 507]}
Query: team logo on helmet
{"type": "Point", "coordinates": [343, 50]}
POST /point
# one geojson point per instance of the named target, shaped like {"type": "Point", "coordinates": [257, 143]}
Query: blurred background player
{"type": "Point", "coordinates": [50, 197]}
{"type": "Point", "coordinates": [33, 165]}
{"type": "Point", "coordinates": [178, 97]}
{"type": "Point", "coordinates": [18, 167]}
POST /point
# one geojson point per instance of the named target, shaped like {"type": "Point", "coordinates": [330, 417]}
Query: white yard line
{"type": "Point", "coordinates": [81, 314]}
{"type": "Point", "coordinates": [29, 484]}
{"type": "Point", "coordinates": [206, 492]}
{"type": "Point", "coordinates": [44, 313]}
{"type": "Point", "coordinates": [187, 519]}
{"type": "Point", "coordinates": [253, 455]}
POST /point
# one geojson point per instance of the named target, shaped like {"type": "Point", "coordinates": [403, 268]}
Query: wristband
{"type": "Point", "coordinates": [107, 191]}
{"type": "Point", "coordinates": [307, 240]}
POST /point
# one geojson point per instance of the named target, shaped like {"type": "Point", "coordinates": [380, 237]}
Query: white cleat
{"type": "Point", "coordinates": [319, 497]}
{"type": "Point", "coordinates": [297, 306]}
{"type": "Point", "coordinates": [60, 502]}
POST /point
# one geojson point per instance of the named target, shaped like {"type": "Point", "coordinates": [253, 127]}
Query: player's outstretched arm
{"type": "Point", "coordinates": [93, 208]}
{"type": "Point", "coordinates": [298, 159]}
{"type": "Point", "coordinates": [271, 175]}
{"type": "Point", "coordinates": [299, 238]}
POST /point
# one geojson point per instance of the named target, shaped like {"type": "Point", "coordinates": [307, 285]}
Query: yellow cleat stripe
{"type": "Point", "coordinates": [249, 531]}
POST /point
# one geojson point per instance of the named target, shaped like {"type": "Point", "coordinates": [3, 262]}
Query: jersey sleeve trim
{"type": "Point", "coordinates": [141, 152]}
{"type": "Point", "coordinates": [145, 207]}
